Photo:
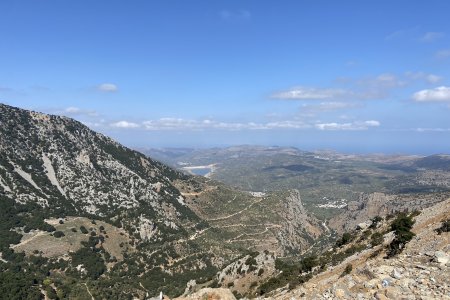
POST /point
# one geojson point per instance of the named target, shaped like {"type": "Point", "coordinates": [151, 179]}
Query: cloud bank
{"type": "Point", "coordinates": [180, 124]}
{"type": "Point", "coordinates": [348, 126]}
{"type": "Point", "coordinates": [305, 93]}
{"type": "Point", "coordinates": [439, 94]}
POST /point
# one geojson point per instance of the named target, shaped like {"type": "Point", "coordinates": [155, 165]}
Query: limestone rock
{"type": "Point", "coordinates": [441, 257]}
{"type": "Point", "coordinates": [210, 294]}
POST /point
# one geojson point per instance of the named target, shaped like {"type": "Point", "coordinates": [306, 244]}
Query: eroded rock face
{"type": "Point", "coordinates": [378, 204]}
{"type": "Point", "coordinates": [210, 294]}
{"type": "Point", "coordinates": [58, 162]}
{"type": "Point", "coordinates": [421, 271]}
{"type": "Point", "coordinates": [298, 224]}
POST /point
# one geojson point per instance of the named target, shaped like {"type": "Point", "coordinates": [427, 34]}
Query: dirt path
{"type": "Point", "coordinates": [210, 188]}
{"type": "Point", "coordinates": [251, 234]}
{"type": "Point", "coordinates": [31, 238]}
{"type": "Point", "coordinates": [89, 292]}
{"type": "Point", "coordinates": [236, 213]}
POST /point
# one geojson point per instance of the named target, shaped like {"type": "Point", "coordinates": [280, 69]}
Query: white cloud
{"type": "Point", "coordinates": [442, 54]}
{"type": "Point", "coordinates": [180, 124]}
{"type": "Point", "coordinates": [124, 124]}
{"type": "Point", "coordinates": [186, 124]}
{"type": "Point", "coordinates": [287, 125]}
{"type": "Point", "coordinates": [373, 87]}
{"type": "Point", "coordinates": [304, 93]}
{"type": "Point", "coordinates": [429, 78]}
{"type": "Point", "coordinates": [236, 15]}
{"type": "Point", "coordinates": [358, 125]}
{"type": "Point", "coordinates": [73, 111]}
{"type": "Point", "coordinates": [382, 82]}
{"type": "Point", "coordinates": [312, 109]}
{"type": "Point", "coordinates": [366, 88]}
{"type": "Point", "coordinates": [107, 87]}
{"type": "Point", "coordinates": [372, 123]}
{"type": "Point", "coordinates": [431, 36]}
{"type": "Point", "coordinates": [439, 94]}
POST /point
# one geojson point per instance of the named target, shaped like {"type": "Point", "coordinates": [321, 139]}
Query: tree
{"type": "Point", "coordinates": [401, 226]}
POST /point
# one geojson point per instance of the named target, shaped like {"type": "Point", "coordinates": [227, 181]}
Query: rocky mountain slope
{"type": "Point", "coordinates": [102, 219]}
{"type": "Point", "coordinates": [420, 271]}
{"type": "Point", "coordinates": [83, 217]}
{"type": "Point", "coordinates": [369, 206]}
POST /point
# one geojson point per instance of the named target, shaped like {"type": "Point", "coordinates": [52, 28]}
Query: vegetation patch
{"type": "Point", "coordinates": [401, 226]}
{"type": "Point", "coordinates": [445, 227]}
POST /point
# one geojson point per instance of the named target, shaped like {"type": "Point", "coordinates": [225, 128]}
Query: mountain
{"type": "Point", "coordinates": [85, 216]}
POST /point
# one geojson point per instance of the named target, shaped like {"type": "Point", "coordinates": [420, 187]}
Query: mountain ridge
{"type": "Point", "coordinates": [123, 217]}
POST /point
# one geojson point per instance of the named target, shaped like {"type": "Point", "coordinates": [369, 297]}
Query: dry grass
{"type": "Point", "coordinates": [50, 246]}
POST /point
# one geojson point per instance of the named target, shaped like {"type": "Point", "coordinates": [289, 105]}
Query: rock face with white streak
{"type": "Point", "coordinates": [297, 221]}
{"type": "Point", "coordinates": [51, 174]}
{"type": "Point", "coordinates": [58, 162]}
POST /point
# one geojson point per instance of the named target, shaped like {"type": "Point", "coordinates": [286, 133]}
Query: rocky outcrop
{"type": "Point", "coordinates": [378, 204]}
{"type": "Point", "coordinates": [210, 294]}
{"type": "Point", "coordinates": [419, 272]}
{"type": "Point", "coordinates": [299, 227]}
{"type": "Point", "coordinates": [58, 162]}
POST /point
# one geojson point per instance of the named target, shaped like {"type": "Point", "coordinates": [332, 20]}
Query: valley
{"type": "Point", "coordinates": [84, 217]}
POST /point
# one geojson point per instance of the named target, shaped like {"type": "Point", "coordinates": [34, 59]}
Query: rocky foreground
{"type": "Point", "coordinates": [421, 271]}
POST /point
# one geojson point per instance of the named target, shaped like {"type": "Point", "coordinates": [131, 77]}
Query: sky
{"type": "Point", "coordinates": [352, 76]}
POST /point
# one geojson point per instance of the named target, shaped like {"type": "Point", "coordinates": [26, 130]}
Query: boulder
{"type": "Point", "coordinates": [441, 257]}
{"type": "Point", "coordinates": [396, 274]}
{"type": "Point", "coordinates": [211, 294]}
{"type": "Point", "coordinates": [364, 225]}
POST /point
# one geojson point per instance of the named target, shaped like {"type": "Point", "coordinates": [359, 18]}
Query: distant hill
{"type": "Point", "coordinates": [434, 162]}
{"type": "Point", "coordinates": [323, 177]}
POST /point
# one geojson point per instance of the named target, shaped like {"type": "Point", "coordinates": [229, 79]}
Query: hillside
{"type": "Point", "coordinates": [420, 271]}
{"type": "Point", "coordinates": [362, 268]}
{"type": "Point", "coordinates": [72, 198]}
{"type": "Point", "coordinates": [82, 216]}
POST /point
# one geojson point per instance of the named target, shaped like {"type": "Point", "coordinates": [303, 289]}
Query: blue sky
{"type": "Point", "coordinates": [355, 76]}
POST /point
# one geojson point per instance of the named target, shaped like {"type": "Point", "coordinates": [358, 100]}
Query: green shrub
{"type": "Point", "coordinates": [376, 239]}
{"type": "Point", "coordinates": [83, 230]}
{"type": "Point", "coordinates": [401, 226]}
{"type": "Point", "coordinates": [345, 239]}
{"type": "Point", "coordinates": [91, 260]}
{"type": "Point", "coordinates": [348, 269]}
{"type": "Point", "coordinates": [58, 234]}
{"type": "Point", "coordinates": [445, 227]}
{"type": "Point", "coordinates": [375, 221]}
{"type": "Point", "coordinates": [251, 261]}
